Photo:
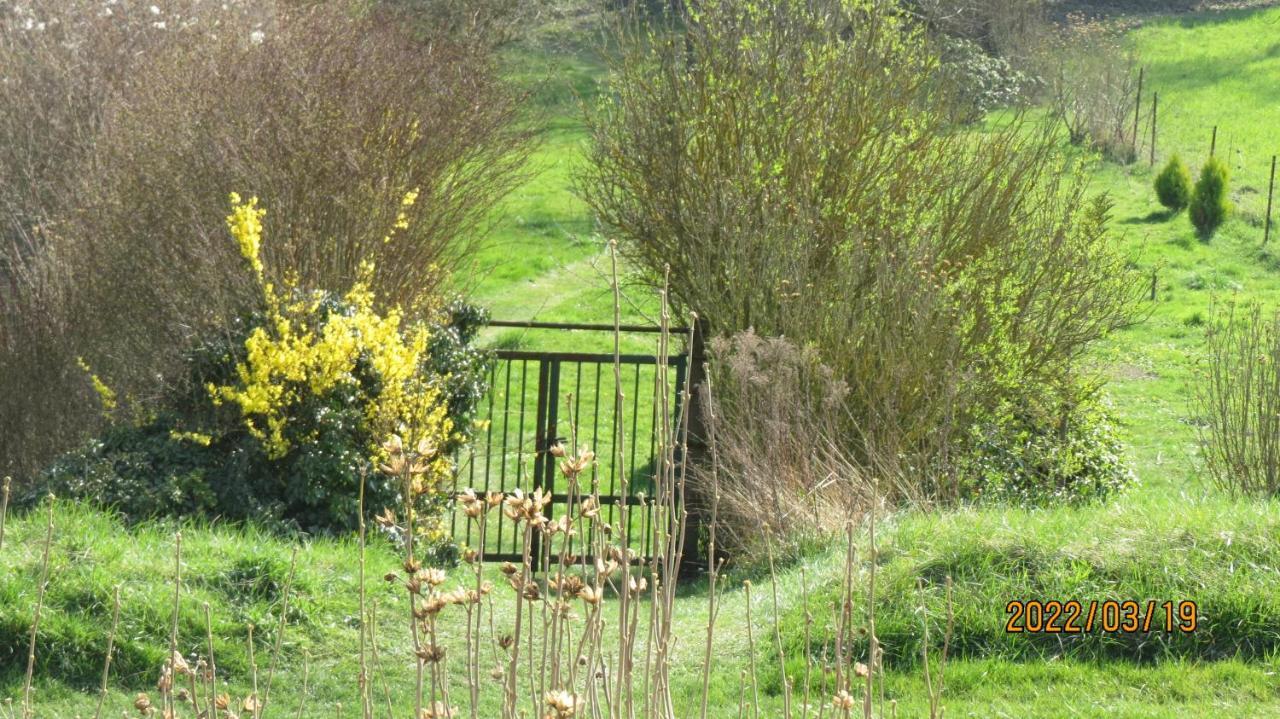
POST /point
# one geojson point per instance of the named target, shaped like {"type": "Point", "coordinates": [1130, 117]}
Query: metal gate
{"type": "Point", "coordinates": [537, 399]}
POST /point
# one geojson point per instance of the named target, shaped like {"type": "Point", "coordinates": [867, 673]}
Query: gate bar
{"type": "Point", "coordinates": [535, 325]}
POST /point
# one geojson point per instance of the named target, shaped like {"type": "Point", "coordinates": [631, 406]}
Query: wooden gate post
{"type": "Point", "coordinates": [695, 505]}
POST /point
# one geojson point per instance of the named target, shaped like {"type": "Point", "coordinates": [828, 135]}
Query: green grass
{"type": "Point", "coordinates": [545, 258]}
{"type": "Point", "coordinates": [1209, 69]}
{"type": "Point", "coordinates": [1173, 536]}
{"type": "Point", "coordinates": [1215, 551]}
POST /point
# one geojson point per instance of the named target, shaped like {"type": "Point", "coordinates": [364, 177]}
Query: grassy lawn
{"type": "Point", "coordinates": [1172, 537]}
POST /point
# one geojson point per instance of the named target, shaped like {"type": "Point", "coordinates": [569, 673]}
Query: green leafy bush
{"type": "Point", "coordinates": [1031, 459]}
{"type": "Point", "coordinates": [196, 458]}
{"type": "Point", "coordinates": [1209, 203]}
{"type": "Point", "coordinates": [980, 82]}
{"type": "Point", "coordinates": [1173, 185]}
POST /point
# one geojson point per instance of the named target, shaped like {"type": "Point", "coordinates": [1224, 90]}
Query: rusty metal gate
{"type": "Point", "coordinates": [537, 399]}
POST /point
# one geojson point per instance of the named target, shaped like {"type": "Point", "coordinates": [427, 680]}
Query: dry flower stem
{"type": "Point", "coordinates": [260, 707]}
{"type": "Point", "coordinates": [27, 710]}
{"type": "Point", "coordinates": [111, 645]}
{"type": "Point", "coordinates": [4, 507]}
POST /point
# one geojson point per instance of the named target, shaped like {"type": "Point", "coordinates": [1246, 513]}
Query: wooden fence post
{"type": "Point", "coordinates": [1155, 106]}
{"type": "Point", "coordinates": [1154, 277]}
{"type": "Point", "coordinates": [1271, 189]}
{"type": "Point", "coordinates": [1213, 143]}
{"type": "Point", "coordinates": [1137, 111]}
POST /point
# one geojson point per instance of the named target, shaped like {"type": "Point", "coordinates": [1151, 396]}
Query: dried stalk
{"type": "Point", "coordinates": [871, 616]}
{"type": "Point", "coordinates": [366, 706]}
{"type": "Point", "coordinates": [260, 707]}
{"type": "Point", "coordinates": [751, 654]}
{"type": "Point", "coordinates": [111, 644]}
{"type": "Point", "coordinates": [4, 507]}
{"type": "Point", "coordinates": [306, 674]}
{"type": "Point", "coordinates": [27, 711]}
{"type": "Point", "coordinates": [777, 631]}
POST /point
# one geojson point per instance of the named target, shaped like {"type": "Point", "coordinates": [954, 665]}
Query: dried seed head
{"type": "Point", "coordinates": [431, 653]}
{"type": "Point", "coordinates": [179, 665]}
{"type": "Point", "coordinates": [142, 703]}
{"type": "Point", "coordinates": [438, 710]}
{"type": "Point", "coordinates": [386, 520]}
{"type": "Point", "coordinates": [393, 445]}
{"type": "Point", "coordinates": [560, 704]}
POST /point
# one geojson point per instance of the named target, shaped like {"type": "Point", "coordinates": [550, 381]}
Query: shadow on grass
{"type": "Point", "coordinates": [1151, 218]}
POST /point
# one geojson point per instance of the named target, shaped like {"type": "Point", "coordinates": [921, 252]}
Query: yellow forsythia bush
{"type": "Point", "coordinates": [291, 352]}
{"type": "Point", "coordinates": [285, 417]}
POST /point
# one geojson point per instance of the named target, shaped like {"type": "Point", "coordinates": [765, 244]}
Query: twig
{"type": "Point", "coordinates": [111, 643]}
{"type": "Point", "coordinates": [173, 627]}
{"type": "Point", "coordinates": [35, 622]}
{"type": "Point", "coordinates": [260, 707]}
{"type": "Point", "coordinates": [4, 507]}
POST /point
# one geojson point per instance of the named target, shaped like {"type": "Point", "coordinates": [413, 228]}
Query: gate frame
{"type": "Point", "coordinates": [690, 373]}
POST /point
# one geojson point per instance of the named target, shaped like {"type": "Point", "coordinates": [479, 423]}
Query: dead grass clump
{"type": "Point", "coordinates": [778, 416]}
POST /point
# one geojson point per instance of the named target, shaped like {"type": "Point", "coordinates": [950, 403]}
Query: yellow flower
{"type": "Point", "coordinates": [197, 437]}
{"type": "Point", "coordinates": [245, 225]}
{"type": "Point", "coordinates": [293, 349]}
{"type": "Point", "coordinates": [106, 395]}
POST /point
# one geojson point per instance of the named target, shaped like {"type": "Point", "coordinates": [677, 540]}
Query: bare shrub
{"type": "Point", "coordinates": [343, 118]}
{"type": "Point", "coordinates": [60, 63]}
{"type": "Point", "coordinates": [1091, 76]}
{"type": "Point", "coordinates": [490, 23]}
{"type": "Point", "coordinates": [1237, 401]}
{"type": "Point", "coordinates": [1001, 27]}
{"type": "Point", "coordinates": [796, 185]}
